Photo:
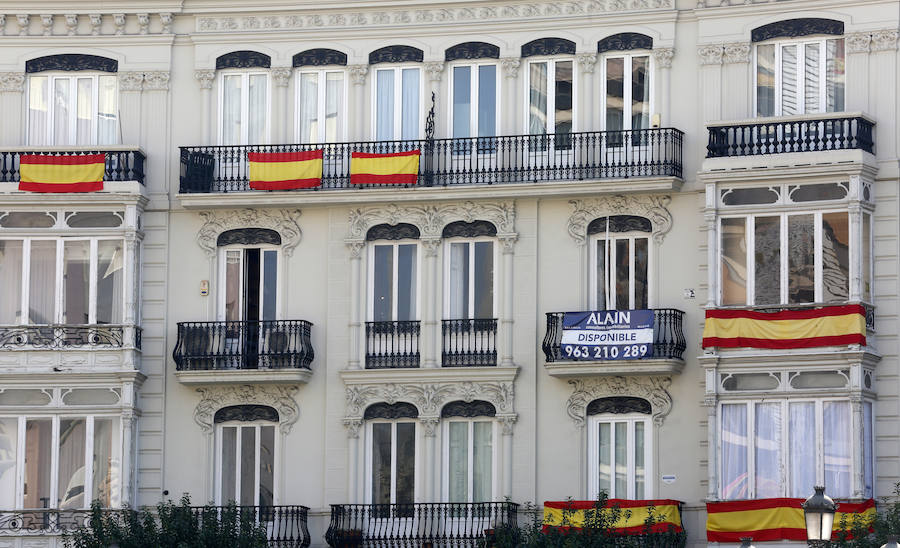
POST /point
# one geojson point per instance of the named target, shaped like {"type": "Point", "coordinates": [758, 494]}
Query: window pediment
{"type": "Point", "coordinates": [71, 62]}
{"type": "Point", "coordinates": [625, 41]}
{"type": "Point", "coordinates": [243, 59]}
{"type": "Point", "coordinates": [396, 54]}
{"type": "Point", "coordinates": [548, 46]}
{"type": "Point", "coordinates": [793, 28]}
{"type": "Point", "coordinates": [319, 57]}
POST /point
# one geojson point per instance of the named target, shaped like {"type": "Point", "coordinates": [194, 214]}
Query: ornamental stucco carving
{"type": "Point", "coordinates": [587, 62]}
{"type": "Point", "coordinates": [429, 397]}
{"type": "Point", "coordinates": [510, 66]}
{"type": "Point", "coordinates": [711, 54]}
{"type": "Point", "coordinates": [653, 208]}
{"type": "Point", "coordinates": [12, 81]}
{"type": "Point", "coordinates": [858, 42]}
{"type": "Point", "coordinates": [280, 397]}
{"type": "Point", "coordinates": [358, 73]}
{"type": "Point", "coordinates": [663, 57]}
{"type": "Point", "coordinates": [737, 52]}
{"type": "Point", "coordinates": [156, 81]}
{"type": "Point", "coordinates": [205, 78]}
{"type": "Point", "coordinates": [283, 221]}
{"type": "Point", "coordinates": [884, 40]}
{"type": "Point", "coordinates": [652, 389]}
{"type": "Point", "coordinates": [282, 76]}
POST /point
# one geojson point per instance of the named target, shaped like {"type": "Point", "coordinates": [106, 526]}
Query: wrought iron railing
{"type": "Point", "coordinates": [122, 163]}
{"type": "Point", "coordinates": [53, 337]}
{"type": "Point", "coordinates": [41, 521]}
{"type": "Point", "coordinates": [776, 136]}
{"type": "Point", "coordinates": [668, 336]}
{"type": "Point", "coordinates": [463, 161]}
{"type": "Point", "coordinates": [471, 342]}
{"type": "Point", "coordinates": [392, 344]}
{"type": "Point", "coordinates": [418, 524]}
{"type": "Point", "coordinates": [280, 344]}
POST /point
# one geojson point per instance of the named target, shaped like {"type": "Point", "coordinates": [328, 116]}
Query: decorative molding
{"type": "Point", "coordinates": [119, 21]}
{"type": "Point", "coordinates": [318, 57]}
{"type": "Point", "coordinates": [736, 52]}
{"type": "Point", "coordinates": [507, 422]}
{"type": "Point", "coordinates": [430, 425]}
{"type": "Point", "coordinates": [144, 22]}
{"type": "Point", "coordinates": [399, 231]}
{"type": "Point", "coordinates": [663, 57]}
{"type": "Point", "coordinates": [71, 24]}
{"type": "Point", "coordinates": [587, 62]}
{"type": "Point", "coordinates": [548, 46]}
{"type": "Point", "coordinates": [353, 426]}
{"type": "Point", "coordinates": [858, 42]}
{"type": "Point", "coordinates": [46, 24]}
{"type": "Point", "coordinates": [71, 62]}
{"type": "Point", "coordinates": [282, 76]}
{"type": "Point", "coordinates": [283, 221]}
{"type": "Point", "coordinates": [884, 40]}
{"type": "Point", "coordinates": [358, 74]}
{"type": "Point", "coordinates": [472, 50]}
{"type": "Point", "coordinates": [131, 81]}
{"type": "Point", "coordinates": [792, 28]}
{"type": "Point", "coordinates": [248, 236]}
{"type": "Point", "coordinates": [625, 41]}
{"type": "Point", "coordinates": [651, 207]}
{"type": "Point", "coordinates": [12, 82]}
{"type": "Point", "coordinates": [205, 78]}
{"type": "Point", "coordinates": [243, 59]}
{"type": "Point", "coordinates": [246, 413]}
{"type": "Point", "coordinates": [279, 397]}
{"type": "Point", "coordinates": [166, 19]}
{"type": "Point", "coordinates": [435, 70]}
{"type": "Point", "coordinates": [156, 80]}
{"type": "Point", "coordinates": [619, 223]}
{"type": "Point", "coordinates": [96, 23]}
{"type": "Point", "coordinates": [24, 21]}
{"type": "Point", "coordinates": [431, 246]}
{"type": "Point", "coordinates": [2, 24]}
{"type": "Point", "coordinates": [475, 229]}
{"type": "Point", "coordinates": [396, 54]}
{"type": "Point", "coordinates": [711, 54]}
{"type": "Point", "coordinates": [474, 408]}
{"type": "Point", "coordinates": [391, 411]}
{"type": "Point", "coordinates": [619, 405]}
{"type": "Point", "coordinates": [510, 66]}
{"type": "Point", "coordinates": [652, 389]}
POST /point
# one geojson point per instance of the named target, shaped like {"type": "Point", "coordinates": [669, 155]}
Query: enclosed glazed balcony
{"type": "Point", "coordinates": [65, 337]}
{"type": "Point", "coordinates": [243, 351]}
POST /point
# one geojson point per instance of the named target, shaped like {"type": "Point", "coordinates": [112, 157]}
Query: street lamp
{"type": "Point", "coordinates": [745, 543]}
{"type": "Point", "coordinates": [891, 543]}
{"type": "Point", "coordinates": [819, 513]}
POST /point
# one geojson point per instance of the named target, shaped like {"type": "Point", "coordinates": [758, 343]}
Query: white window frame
{"type": "Point", "coordinates": [551, 92]}
{"type": "Point", "coordinates": [445, 456]}
{"type": "Point", "coordinates": [245, 106]}
{"type": "Point", "coordinates": [800, 43]}
{"type": "Point", "coordinates": [73, 113]}
{"type": "Point", "coordinates": [115, 494]}
{"type": "Point", "coordinates": [370, 283]}
{"type": "Point", "coordinates": [631, 236]}
{"type": "Point", "coordinates": [59, 301]}
{"type": "Point", "coordinates": [474, 80]}
{"type": "Point", "coordinates": [398, 100]}
{"type": "Point", "coordinates": [594, 454]}
{"type": "Point", "coordinates": [223, 261]}
{"type": "Point", "coordinates": [321, 101]}
{"type": "Point", "coordinates": [447, 289]}
{"type": "Point", "coordinates": [276, 449]}
{"type": "Point", "coordinates": [626, 96]}
{"type": "Point", "coordinates": [367, 477]}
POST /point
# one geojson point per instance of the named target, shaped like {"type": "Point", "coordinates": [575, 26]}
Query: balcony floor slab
{"type": "Point", "coordinates": [568, 369]}
{"type": "Point", "coordinates": [244, 376]}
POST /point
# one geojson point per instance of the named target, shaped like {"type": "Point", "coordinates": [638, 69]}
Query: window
{"type": "Point", "coordinates": [65, 110]}
{"type": "Point", "coordinates": [627, 98]}
{"type": "Point", "coordinates": [474, 106]}
{"type": "Point", "coordinates": [469, 460]}
{"type": "Point", "coordinates": [244, 108]}
{"type": "Point", "coordinates": [52, 460]}
{"type": "Point", "coordinates": [619, 453]}
{"type": "Point", "coordinates": [394, 282]}
{"type": "Point", "coordinates": [620, 262]}
{"type": "Point", "coordinates": [800, 77]}
{"type": "Point", "coordinates": [249, 284]}
{"type": "Point", "coordinates": [781, 448]}
{"type": "Point", "coordinates": [62, 281]}
{"type": "Point", "coordinates": [392, 462]}
{"type": "Point", "coordinates": [246, 463]}
{"type": "Point", "coordinates": [321, 106]}
{"type": "Point", "coordinates": [397, 104]}
{"type": "Point", "coordinates": [470, 279]}
{"type": "Point", "coordinates": [550, 97]}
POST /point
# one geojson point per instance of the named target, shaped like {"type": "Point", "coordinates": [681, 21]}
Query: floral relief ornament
{"type": "Point", "coordinates": [280, 397]}
{"type": "Point", "coordinates": [283, 221]}
{"type": "Point", "coordinates": [653, 208]}
{"type": "Point", "coordinates": [652, 389]}
{"type": "Point", "coordinates": [12, 81]}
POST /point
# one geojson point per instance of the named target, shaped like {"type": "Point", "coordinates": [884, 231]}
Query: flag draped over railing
{"type": "Point", "coordinates": [61, 172]}
{"type": "Point", "coordinates": [285, 170]}
{"type": "Point", "coordinates": [770, 519]}
{"type": "Point", "coordinates": [400, 168]}
{"type": "Point", "coordinates": [632, 519]}
{"type": "Point", "coordinates": [804, 328]}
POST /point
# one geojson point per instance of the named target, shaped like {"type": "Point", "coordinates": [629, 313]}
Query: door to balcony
{"type": "Point", "coordinates": [249, 295]}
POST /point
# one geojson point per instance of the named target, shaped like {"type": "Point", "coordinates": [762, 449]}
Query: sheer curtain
{"type": "Point", "coordinates": [42, 282]}
{"type": "Point", "coordinates": [76, 281]}
{"type": "Point", "coordinates": [459, 280]}
{"type": "Point", "coordinates": [231, 109]}
{"type": "Point", "coordinates": [482, 447]}
{"type": "Point", "coordinates": [102, 483]}
{"type": "Point", "coordinates": [257, 112]}
{"type": "Point", "coordinates": [334, 106]}
{"type": "Point", "coordinates": [309, 97]}
{"type": "Point", "coordinates": [71, 463]}
{"type": "Point", "coordinates": [458, 467]}
{"type": "Point", "coordinates": [838, 434]}
{"type": "Point", "coordinates": [110, 280]}
{"type": "Point", "coordinates": [61, 111]}
{"type": "Point", "coordinates": [10, 282]}
{"type": "Point", "coordinates": [9, 430]}
{"type": "Point", "coordinates": [410, 127]}
{"type": "Point", "coordinates": [768, 450]}
{"type": "Point", "coordinates": [84, 104]}
{"type": "Point", "coordinates": [537, 98]}
{"type": "Point", "coordinates": [384, 105]}
{"type": "Point", "coordinates": [38, 110]}
{"type": "Point", "coordinates": [108, 111]}
{"type": "Point", "coordinates": [734, 452]}
{"type": "Point", "coordinates": [802, 438]}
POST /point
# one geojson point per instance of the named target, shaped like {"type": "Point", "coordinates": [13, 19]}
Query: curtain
{"type": "Point", "coordinates": [482, 461]}
{"type": "Point", "coordinates": [767, 447]}
{"type": "Point", "coordinates": [462, 101]}
{"type": "Point", "coordinates": [459, 280]}
{"type": "Point", "coordinates": [789, 99]}
{"type": "Point", "coordinates": [38, 442]}
{"type": "Point", "coordinates": [734, 452]}
{"type": "Point", "coordinates": [838, 435]}
{"type": "Point", "coordinates": [458, 469]}
{"type": "Point", "coordinates": [604, 450]}
{"type": "Point", "coordinates": [767, 275]}
{"type": "Point", "coordinates": [334, 106]}
{"type": "Point", "coordinates": [108, 111]}
{"type": "Point", "coordinates": [8, 447]}
{"type": "Point", "coordinates": [537, 98]}
{"type": "Point", "coordinates": [231, 109]}
{"type": "Point", "coordinates": [410, 128]}
{"type": "Point", "coordinates": [110, 281]}
{"type": "Point", "coordinates": [38, 110]}
{"type": "Point", "coordinates": [102, 463]}
{"type": "Point", "coordinates": [256, 111]}
{"type": "Point", "coordinates": [487, 100]}
{"type": "Point", "coordinates": [834, 75]}
{"type": "Point", "coordinates": [802, 448]}
{"type": "Point", "coordinates": [42, 282]}
{"type": "Point", "coordinates": [84, 115]}
{"type": "Point", "coordinates": [71, 463]}
{"type": "Point", "coordinates": [811, 78]}
{"type": "Point", "coordinates": [61, 111]}
{"type": "Point", "coordinates": [384, 105]}
{"type": "Point", "coordinates": [641, 266]}
{"type": "Point", "coordinates": [640, 92]}
{"type": "Point", "coordinates": [10, 282]}
{"type": "Point", "coordinates": [765, 80]}
{"type": "Point", "coordinates": [309, 98]}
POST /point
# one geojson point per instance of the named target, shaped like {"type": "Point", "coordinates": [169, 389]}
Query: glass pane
{"type": "Point", "coordinates": [458, 469]}
{"type": "Point", "coordinates": [257, 109]}
{"type": "Point", "coordinates": [767, 278]}
{"type": "Point", "coordinates": [789, 97]}
{"type": "Point", "coordinates": [107, 111]}
{"type": "Point", "coordinates": [765, 80]}
{"type": "Point", "coordinates": [563, 103]}
{"type": "Point", "coordinates": [71, 463]}
{"type": "Point", "coordinates": [537, 98]}
{"type": "Point", "coordinates": [383, 284]}
{"type": "Point", "coordinates": [42, 282]}
{"type": "Point", "coordinates": [838, 434]}
{"type": "Point", "coordinates": [487, 100]}
{"type": "Point", "coordinates": [233, 288]}
{"type": "Point", "coordinates": [621, 460]}
{"type": "Point", "coordinates": [406, 282]}
{"type": "Point", "coordinates": [801, 259]}
{"type": "Point", "coordinates": [231, 109]}
{"type": "Point", "coordinates": [459, 280]}
{"type": "Point", "coordinates": [248, 466]}
{"type": "Point", "coordinates": [38, 446]}
{"type": "Point", "coordinates": [9, 436]}
{"type": "Point", "coordinates": [76, 281]}
{"type": "Point", "coordinates": [868, 450]}
{"type": "Point", "coordinates": [734, 261]}
{"type": "Point", "coordinates": [640, 92]}
{"type": "Point", "coordinates": [266, 465]}
{"type": "Point", "coordinates": [811, 78]}
{"type": "Point", "coordinates": [381, 463]}
{"type": "Point", "coordinates": [484, 280]}
{"type": "Point", "coordinates": [309, 111]}
{"type": "Point", "coordinates": [615, 94]}
{"type": "Point", "coordinates": [602, 280]}
{"type": "Point", "coordinates": [462, 101]}
{"type": "Point", "coordinates": [38, 111]}
{"type": "Point", "coordinates": [10, 281]}
{"type": "Point", "coordinates": [83, 119]}
{"type": "Point", "coordinates": [110, 281]}
{"type": "Point", "coordinates": [604, 447]}
{"type": "Point", "coordinates": [334, 106]}
{"type": "Point", "coordinates": [270, 284]}
{"type": "Point", "coordinates": [410, 106]}
{"type": "Point", "coordinates": [802, 453]}
{"type": "Point", "coordinates": [406, 462]}
{"type": "Point", "coordinates": [623, 272]}
{"type": "Point", "coordinates": [734, 452]}
{"type": "Point", "coordinates": [482, 490]}
{"type": "Point", "coordinates": [834, 75]}
{"type": "Point", "coordinates": [106, 464]}
{"type": "Point", "coordinates": [639, 470]}
{"type": "Point", "coordinates": [768, 450]}
{"type": "Point", "coordinates": [835, 257]}
{"type": "Point", "coordinates": [61, 111]}
{"type": "Point", "coordinates": [229, 463]}
{"type": "Point", "coordinates": [384, 105]}
{"type": "Point", "coordinates": [867, 256]}
{"type": "Point", "coordinates": [641, 265]}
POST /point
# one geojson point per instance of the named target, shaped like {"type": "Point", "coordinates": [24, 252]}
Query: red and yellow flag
{"type": "Point", "coordinates": [770, 519]}
{"type": "Point", "coordinates": [571, 514]}
{"type": "Point", "coordinates": [826, 326]}
{"type": "Point", "coordinates": [285, 170]}
{"type": "Point", "coordinates": [61, 172]}
{"type": "Point", "coordinates": [399, 168]}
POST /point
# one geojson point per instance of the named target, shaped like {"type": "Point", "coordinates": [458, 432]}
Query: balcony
{"type": "Point", "coordinates": [124, 163]}
{"type": "Point", "coordinates": [249, 351]}
{"type": "Point", "coordinates": [447, 163]}
{"type": "Point", "coordinates": [419, 524]}
{"type": "Point", "coordinates": [664, 355]}
{"type": "Point", "coordinates": [41, 348]}
{"type": "Point", "coordinates": [469, 343]}
{"type": "Point", "coordinates": [392, 345]}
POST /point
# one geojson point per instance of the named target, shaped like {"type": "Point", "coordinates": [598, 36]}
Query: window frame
{"type": "Point", "coordinates": [551, 97]}
{"type": "Point", "coordinates": [245, 106]}
{"type": "Point", "coordinates": [448, 242]}
{"type": "Point", "coordinates": [276, 459]}
{"type": "Point", "coordinates": [630, 419]}
{"type": "Point", "coordinates": [72, 124]}
{"type": "Point", "coordinates": [470, 452]}
{"type": "Point", "coordinates": [474, 83]}
{"type": "Point", "coordinates": [321, 102]}
{"type": "Point", "coordinates": [398, 101]}
{"type": "Point", "coordinates": [627, 86]}
{"type": "Point", "coordinates": [631, 236]}
{"type": "Point", "coordinates": [370, 278]}
{"type": "Point", "coordinates": [222, 289]}
{"type": "Point", "coordinates": [417, 472]}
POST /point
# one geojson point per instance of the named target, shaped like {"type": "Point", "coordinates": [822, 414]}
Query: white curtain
{"type": "Point", "coordinates": [811, 78]}
{"type": "Point", "coordinates": [459, 280]}
{"type": "Point", "coordinates": [61, 111]}
{"type": "Point", "coordinates": [309, 96]}
{"type": "Point", "coordinates": [734, 452]}
{"type": "Point", "coordinates": [537, 98]}
{"type": "Point", "coordinates": [410, 106]}
{"type": "Point", "coordinates": [38, 110]}
{"type": "Point", "coordinates": [789, 80]}
{"type": "Point", "coordinates": [10, 282]}
{"type": "Point", "coordinates": [257, 109]}
{"type": "Point", "coordinates": [802, 437]}
{"type": "Point", "coordinates": [110, 281]}
{"type": "Point", "coordinates": [334, 106]}
{"type": "Point", "coordinates": [834, 75]}
{"type": "Point", "coordinates": [8, 447]}
{"type": "Point", "coordinates": [458, 469]}
{"type": "Point", "coordinates": [462, 101]}
{"type": "Point", "coordinates": [108, 111]}
{"type": "Point", "coordinates": [639, 470]}
{"type": "Point", "coordinates": [101, 488]}
{"type": "Point", "coordinates": [84, 114]}
{"type": "Point", "coordinates": [838, 434]}
{"type": "Point", "coordinates": [768, 450]}
{"type": "Point", "coordinates": [384, 105]}
{"type": "Point", "coordinates": [482, 447]}
{"type": "Point", "coordinates": [38, 449]}
{"type": "Point", "coordinates": [76, 281]}
{"type": "Point", "coordinates": [42, 282]}
{"type": "Point", "coordinates": [231, 109]}
{"type": "Point", "coordinates": [71, 463]}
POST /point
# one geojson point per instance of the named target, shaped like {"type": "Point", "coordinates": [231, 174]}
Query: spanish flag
{"type": "Point", "coordinates": [571, 514]}
{"type": "Point", "coordinates": [285, 170]}
{"type": "Point", "coordinates": [826, 326]}
{"type": "Point", "coordinates": [61, 172]}
{"type": "Point", "coordinates": [772, 519]}
{"type": "Point", "coordinates": [399, 168]}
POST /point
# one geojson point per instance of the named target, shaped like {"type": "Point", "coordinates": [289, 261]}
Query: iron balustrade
{"type": "Point", "coordinates": [121, 164]}
{"type": "Point", "coordinates": [67, 336]}
{"type": "Point", "coordinates": [417, 524]}
{"type": "Point", "coordinates": [783, 136]}
{"type": "Point", "coordinates": [668, 336]}
{"type": "Point", "coordinates": [653, 152]}
{"type": "Point", "coordinates": [392, 345]}
{"type": "Point", "coordinates": [470, 342]}
{"type": "Point", "coordinates": [42, 521]}
{"type": "Point", "coordinates": [279, 344]}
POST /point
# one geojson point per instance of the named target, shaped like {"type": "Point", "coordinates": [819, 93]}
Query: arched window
{"type": "Point", "coordinates": [397, 109]}
{"type": "Point", "coordinates": [393, 275]}
{"type": "Point", "coordinates": [248, 273]}
{"type": "Point", "coordinates": [627, 92]}
{"type": "Point", "coordinates": [474, 110]}
{"type": "Point", "coordinates": [321, 96]}
{"type": "Point", "coordinates": [620, 255]}
{"type": "Point", "coordinates": [246, 455]}
{"type": "Point", "coordinates": [244, 98]}
{"type": "Point", "coordinates": [391, 454]}
{"type": "Point", "coordinates": [551, 85]}
{"type": "Point", "coordinates": [619, 448]}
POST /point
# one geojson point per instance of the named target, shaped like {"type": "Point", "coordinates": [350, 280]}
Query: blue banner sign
{"type": "Point", "coordinates": [607, 335]}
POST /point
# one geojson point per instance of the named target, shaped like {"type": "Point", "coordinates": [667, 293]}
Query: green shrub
{"type": "Point", "coordinates": [863, 532]}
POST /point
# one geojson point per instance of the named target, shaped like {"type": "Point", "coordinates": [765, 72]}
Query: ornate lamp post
{"type": "Point", "coordinates": [819, 513]}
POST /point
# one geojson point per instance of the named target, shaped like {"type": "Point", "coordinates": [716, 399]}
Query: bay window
{"type": "Point", "coordinates": [474, 104]}
{"type": "Point", "coordinates": [243, 108]}
{"type": "Point", "coordinates": [66, 110]}
{"type": "Point", "coordinates": [627, 92]}
{"type": "Point", "coordinates": [321, 106]}
{"type": "Point", "coordinates": [800, 77]}
{"type": "Point", "coordinates": [397, 104]}
{"type": "Point", "coordinates": [246, 463]}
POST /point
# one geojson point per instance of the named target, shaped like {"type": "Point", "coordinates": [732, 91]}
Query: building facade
{"type": "Point", "coordinates": [360, 353]}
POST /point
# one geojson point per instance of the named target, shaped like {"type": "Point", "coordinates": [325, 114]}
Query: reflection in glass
{"type": "Point", "coordinates": [801, 259]}
{"type": "Point", "coordinates": [334, 106]}
{"type": "Point", "coordinates": [266, 465]}
{"type": "Point", "coordinates": [487, 100]}
{"type": "Point", "coordinates": [406, 282]}
{"type": "Point", "coordinates": [615, 94]}
{"type": "Point", "coordinates": [248, 466]}
{"type": "Point", "coordinates": [834, 75]}
{"type": "Point", "coordinates": [383, 284]}
{"type": "Point", "coordinates": [110, 280]}
{"type": "Point", "coordinates": [835, 257]}
{"type": "Point", "coordinates": [623, 271]}
{"type": "Point", "coordinates": [10, 282]}
{"type": "Point", "coordinates": [229, 464]}
{"type": "Point", "coordinates": [71, 463]}
{"type": "Point", "coordinates": [406, 462]}
{"type": "Point", "coordinates": [38, 448]}
{"type": "Point", "coordinates": [641, 266]}
{"type": "Point", "coordinates": [484, 280]}
{"type": "Point", "coordinates": [767, 238]}
{"type": "Point", "coordinates": [459, 280]}
{"type": "Point", "coordinates": [621, 459]}
{"type": "Point", "coordinates": [381, 463]}
{"type": "Point", "coordinates": [42, 282]}
{"type": "Point", "coordinates": [462, 101]}
{"type": "Point", "coordinates": [605, 451]}
{"type": "Point", "coordinates": [409, 106]}
{"type": "Point", "coordinates": [639, 471]}
{"type": "Point", "coordinates": [384, 105]}
{"type": "Point", "coordinates": [105, 465]}
{"type": "Point", "coordinates": [640, 92]}
{"type": "Point", "coordinates": [765, 80]}
{"type": "Point", "coordinates": [768, 450]}
{"type": "Point", "coordinates": [76, 281]}
{"type": "Point", "coordinates": [458, 482]}
{"type": "Point", "coordinates": [789, 99]}
{"type": "Point", "coordinates": [537, 98]}
{"type": "Point", "coordinates": [734, 261]}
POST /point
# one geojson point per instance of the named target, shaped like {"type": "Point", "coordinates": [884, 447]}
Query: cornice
{"type": "Point", "coordinates": [57, 19]}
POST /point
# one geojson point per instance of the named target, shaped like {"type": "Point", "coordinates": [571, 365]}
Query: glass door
{"type": "Point", "coordinates": [550, 114]}
{"type": "Point", "coordinates": [249, 301]}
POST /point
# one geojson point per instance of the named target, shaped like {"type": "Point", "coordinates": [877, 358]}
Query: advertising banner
{"type": "Point", "coordinates": [607, 335]}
